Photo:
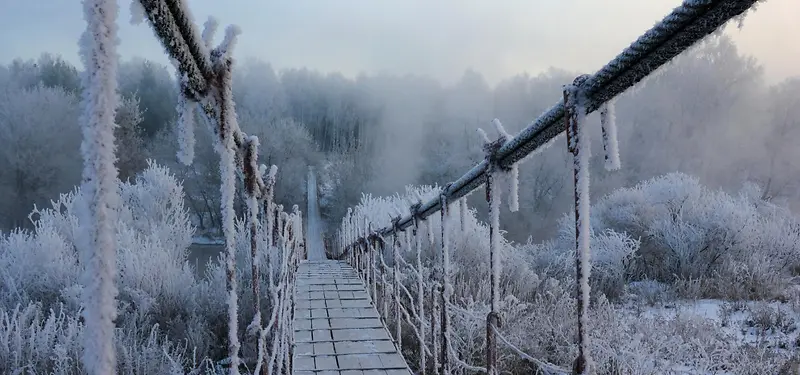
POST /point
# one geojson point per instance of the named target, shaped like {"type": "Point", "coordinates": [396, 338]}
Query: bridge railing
{"type": "Point", "coordinates": [363, 243]}
{"type": "Point", "coordinates": [204, 75]}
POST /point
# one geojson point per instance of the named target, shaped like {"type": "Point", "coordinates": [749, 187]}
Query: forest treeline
{"type": "Point", "coordinates": [710, 113]}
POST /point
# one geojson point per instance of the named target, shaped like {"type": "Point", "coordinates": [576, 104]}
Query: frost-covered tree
{"type": "Point", "coordinates": [156, 89]}
{"type": "Point", "coordinates": [33, 120]}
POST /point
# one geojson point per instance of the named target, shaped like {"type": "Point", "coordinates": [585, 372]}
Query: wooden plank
{"type": "Point", "coordinates": [337, 329]}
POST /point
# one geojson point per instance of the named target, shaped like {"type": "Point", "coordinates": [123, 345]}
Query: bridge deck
{"type": "Point", "coordinates": [337, 329]}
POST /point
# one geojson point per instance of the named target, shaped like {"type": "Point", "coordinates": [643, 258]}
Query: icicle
{"type": "Point", "coordinates": [98, 245]}
{"type": "Point", "coordinates": [185, 109]}
{"type": "Point", "coordinates": [579, 145]}
{"type": "Point", "coordinates": [462, 210]}
{"type": "Point", "coordinates": [209, 29]}
{"type": "Point", "coordinates": [513, 182]}
{"type": "Point", "coordinates": [273, 172]}
{"type": "Point", "coordinates": [608, 124]}
{"type": "Point", "coordinates": [429, 223]}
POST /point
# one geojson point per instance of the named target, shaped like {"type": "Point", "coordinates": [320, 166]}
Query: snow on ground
{"type": "Point", "coordinates": [774, 324]}
{"type": "Point", "coordinates": [771, 327]}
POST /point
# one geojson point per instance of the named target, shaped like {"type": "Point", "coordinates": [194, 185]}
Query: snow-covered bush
{"type": "Point", "coordinates": [612, 253]}
{"type": "Point", "coordinates": [739, 246]}
{"type": "Point", "coordinates": [168, 317]}
{"type": "Point", "coordinates": [667, 224]}
{"type": "Point", "coordinates": [469, 249]}
{"type": "Point", "coordinates": [35, 340]}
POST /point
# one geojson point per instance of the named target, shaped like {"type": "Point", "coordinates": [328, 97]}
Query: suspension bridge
{"type": "Point", "coordinates": [347, 314]}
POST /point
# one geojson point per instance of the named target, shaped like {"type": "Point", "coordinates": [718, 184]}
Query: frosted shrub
{"type": "Point", "coordinates": [34, 340]}
{"type": "Point", "coordinates": [650, 227]}
{"type": "Point", "coordinates": [35, 267]}
{"type": "Point", "coordinates": [742, 246]}
{"type": "Point", "coordinates": [469, 249]}
{"type": "Point", "coordinates": [161, 302]}
{"type": "Point", "coordinates": [612, 253]}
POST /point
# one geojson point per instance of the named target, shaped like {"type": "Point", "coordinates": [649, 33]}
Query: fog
{"type": "Point", "coordinates": [377, 97]}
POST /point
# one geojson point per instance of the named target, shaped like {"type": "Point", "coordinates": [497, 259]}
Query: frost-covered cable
{"type": "Point", "coordinates": [374, 265]}
{"type": "Point", "coordinates": [227, 165]}
{"type": "Point", "coordinates": [465, 365]}
{"type": "Point", "coordinates": [396, 293]}
{"type": "Point", "coordinates": [185, 24]}
{"type": "Point", "coordinates": [420, 295]}
{"type": "Point", "coordinates": [608, 124]}
{"type": "Point", "coordinates": [98, 51]}
{"type": "Point", "coordinates": [578, 143]}
{"type": "Point", "coordinates": [416, 331]}
{"type": "Point", "coordinates": [168, 32]}
{"type": "Point", "coordinates": [251, 171]}
{"type": "Point", "coordinates": [384, 294]}
{"type": "Point", "coordinates": [276, 353]}
{"type": "Point", "coordinates": [435, 327]}
{"type": "Point", "coordinates": [493, 194]}
{"type": "Point", "coordinates": [545, 367]}
{"type": "Point", "coordinates": [447, 288]}
{"type": "Point", "coordinates": [683, 27]}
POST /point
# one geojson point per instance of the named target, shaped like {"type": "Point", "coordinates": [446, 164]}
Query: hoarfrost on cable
{"type": "Point", "coordinates": [98, 51]}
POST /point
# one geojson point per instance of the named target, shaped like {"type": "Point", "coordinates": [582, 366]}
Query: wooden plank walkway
{"type": "Point", "coordinates": [337, 329]}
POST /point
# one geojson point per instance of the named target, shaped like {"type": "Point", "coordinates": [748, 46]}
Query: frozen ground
{"type": "Point", "coordinates": [700, 336]}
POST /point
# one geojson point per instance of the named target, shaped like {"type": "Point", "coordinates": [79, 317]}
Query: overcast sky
{"type": "Point", "coordinates": [441, 39]}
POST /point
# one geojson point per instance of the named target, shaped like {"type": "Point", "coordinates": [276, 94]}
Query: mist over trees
{"type": "Point", "coordinates": [710, 114]}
